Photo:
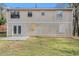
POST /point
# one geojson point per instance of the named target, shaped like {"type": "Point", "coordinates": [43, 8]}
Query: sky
{"type": "Point", "coordinates": [31, 5]}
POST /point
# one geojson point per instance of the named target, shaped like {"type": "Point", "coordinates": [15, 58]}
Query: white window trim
{"type": "Point", "coordinates": [58, 12]}
{"type": "Point", "coordinates": [16, 30]}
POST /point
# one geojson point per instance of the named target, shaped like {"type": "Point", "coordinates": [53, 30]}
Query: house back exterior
{"type": "Point", "coordinates": [39, 22]}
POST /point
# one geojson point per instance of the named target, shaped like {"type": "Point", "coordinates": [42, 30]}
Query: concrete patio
{"type": "Point", "coordinates": [14, 38]}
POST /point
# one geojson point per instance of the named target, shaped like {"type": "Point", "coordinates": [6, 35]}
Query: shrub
{"type": "Point", "coordinates": [2, 21]}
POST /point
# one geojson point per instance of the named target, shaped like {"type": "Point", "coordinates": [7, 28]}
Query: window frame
{"type": "Point", "coordinates": [43, 13]}
{"type": "Point", "coordinates": [62, 29]}
{"type": "Point", "coordinates": [19, 29]}
{"type": "Point", "coordinates": [14, 14]}
{"type": "Point", "coordinates": [59, 15]}
{"type": "Point", "coordinates": [15, 29]}
{"type": "Point", "coordinates": [29, 14]}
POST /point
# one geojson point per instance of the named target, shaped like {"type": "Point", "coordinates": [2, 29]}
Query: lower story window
{"type": "Point", "coordinates": [61, 28]}
{"type": "Point", "coordinates": [17, 29]}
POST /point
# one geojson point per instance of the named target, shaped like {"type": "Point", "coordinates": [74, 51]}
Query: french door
{"type": "Point", "coordinates": [16, 30]}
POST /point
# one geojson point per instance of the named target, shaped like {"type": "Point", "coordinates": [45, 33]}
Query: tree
{"type": "Point", "coordinates": [2, 21]}
{"type": "Point", "coordinates": [2, 18]}
{"type": "Point", "coordinates": [75, 7]}
{"type": "Point", "coordinates": [62, 5]}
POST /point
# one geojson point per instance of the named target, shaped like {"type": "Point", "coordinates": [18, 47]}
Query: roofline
{"type": "Point", "coordinates": [39, 9]}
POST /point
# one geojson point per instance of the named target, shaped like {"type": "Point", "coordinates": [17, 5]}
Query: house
{"type": "Point", "coordinates": [56, 22]}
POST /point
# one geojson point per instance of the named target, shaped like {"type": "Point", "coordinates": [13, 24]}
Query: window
{"type": "Point", "coordinates": [15, 29]}
{"type": "Point", "coordinates": [29, 14]}
{"type": "Point", "coordinates": [19, 29]}
{"type": "Point", "coordinates": [59, 15]}
{"type": "Point", "coordinates": [61, 28]}
{"type": "Point", "coordinates": [15, 14]}
{"type": "Point", "coordinates": [42, 13]}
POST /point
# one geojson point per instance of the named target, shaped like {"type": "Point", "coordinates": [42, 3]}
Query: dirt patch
{"type": "Point", "coordinates": [76, 37]}
{"type": "Point", "coordinates": [15, 45]}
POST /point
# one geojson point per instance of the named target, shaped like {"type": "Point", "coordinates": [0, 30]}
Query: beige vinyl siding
{"type": "Point", "coordinates": [42, 25]}
{"type": "Point", "coordinates": [50, 16]}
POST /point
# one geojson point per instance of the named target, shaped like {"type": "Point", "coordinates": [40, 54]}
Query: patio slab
{"type": "Point", "coordinates": [14, 38]}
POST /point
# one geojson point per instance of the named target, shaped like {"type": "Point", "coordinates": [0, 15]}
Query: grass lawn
{"type": "Point", "coordinates": [40, 46]}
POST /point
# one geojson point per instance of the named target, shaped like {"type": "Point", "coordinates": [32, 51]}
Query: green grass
{"type": "Point", "coordinates": [40, 46]}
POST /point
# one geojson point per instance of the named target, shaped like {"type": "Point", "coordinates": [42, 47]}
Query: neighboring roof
{"type": "Point", "coordinates": [39, 9]}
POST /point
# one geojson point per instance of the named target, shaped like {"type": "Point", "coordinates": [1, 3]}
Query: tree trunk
{"type": "Point", "coordinates": [78, 30]}
{"type": "Point", "coordinates": [74, 27]}
{"type": "Point", "coordinates": [77, 25]}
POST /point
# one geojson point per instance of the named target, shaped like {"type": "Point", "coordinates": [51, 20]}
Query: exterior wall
{"type": "Point", "coordinates": [51, 29]}
{"type": "Point", "coordinates": [50, 16]}
{"type": "Point", "coordinates": [42, 25]}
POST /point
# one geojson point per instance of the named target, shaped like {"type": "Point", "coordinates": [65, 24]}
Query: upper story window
{"type": "Point", "coordinates": [59, 15]}
{"type": "Point", "coordinates": [15, 14]}
{"type": "Point", "coordinates": [42, 13]}
{"type": "Point", "coordinates": [29, 14]}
